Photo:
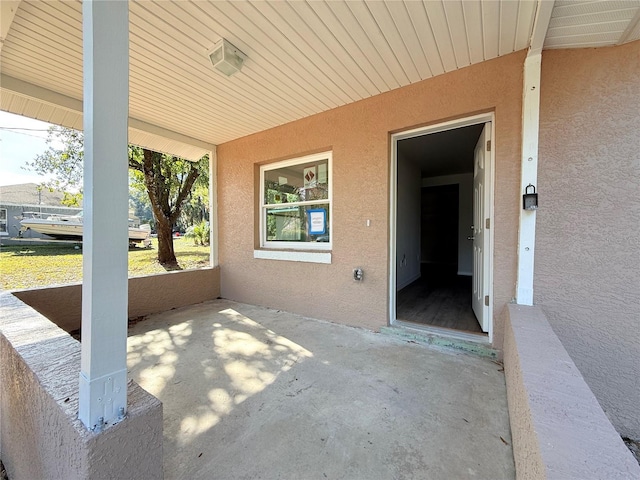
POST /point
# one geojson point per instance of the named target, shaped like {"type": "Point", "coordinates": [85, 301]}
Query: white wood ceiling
{"type": "Point", "coordinates": [304, 57]}
{"type": "Point", "coordinates": [577, 24]}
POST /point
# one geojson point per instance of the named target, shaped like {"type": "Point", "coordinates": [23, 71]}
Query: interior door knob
{"type": "Point", "coordinates": [471, 238]}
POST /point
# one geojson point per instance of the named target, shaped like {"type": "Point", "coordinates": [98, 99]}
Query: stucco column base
{"type": "Point", "coordinates": [40, 434]}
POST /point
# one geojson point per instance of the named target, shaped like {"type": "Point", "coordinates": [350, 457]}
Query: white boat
{"type": "Point", "coordinates": [69, 227]}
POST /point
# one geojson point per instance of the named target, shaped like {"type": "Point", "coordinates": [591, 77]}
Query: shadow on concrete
{"type": "Point", "coordinates": [250, 392]}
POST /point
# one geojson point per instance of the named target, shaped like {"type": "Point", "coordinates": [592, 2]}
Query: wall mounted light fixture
{"type": "Point", "coordinates": [226, 58]}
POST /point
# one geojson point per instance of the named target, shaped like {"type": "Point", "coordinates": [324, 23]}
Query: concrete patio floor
{"type": "Point", "coordinates": [250, 392]}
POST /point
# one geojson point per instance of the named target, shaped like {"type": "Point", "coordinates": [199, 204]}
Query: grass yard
{"type": "Point", "coordinates": [28, 266]}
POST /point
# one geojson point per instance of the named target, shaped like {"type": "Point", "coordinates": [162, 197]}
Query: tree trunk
{"type": "Point", "coordinates": [158, 179]}
{"type": "Point", "coordinates": [166, 254]}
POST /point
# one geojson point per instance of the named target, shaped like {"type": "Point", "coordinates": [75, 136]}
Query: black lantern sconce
{"type": "Point", "coordinates": [530, 200]}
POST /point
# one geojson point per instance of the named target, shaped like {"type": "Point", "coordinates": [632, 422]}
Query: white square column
{"type": "Point", "coordinates": [103, 375]}
{"type": "Point", "coordinates": [213, 207]}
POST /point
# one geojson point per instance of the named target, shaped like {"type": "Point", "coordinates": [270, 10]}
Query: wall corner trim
{"type": "Point", "coordinates": [529, 176]}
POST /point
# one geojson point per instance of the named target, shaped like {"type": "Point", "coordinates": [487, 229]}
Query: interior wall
{"type": "Point", "coordinates": [588, 223]}
{"type": "Point", "coordinates": [408, 223]}
{"type": "Point", "coordinates": [465, 215]}
{"type": "Point", "coordinates": [359, 136]}
{"type": "Point", "coordinates": [439, 226]}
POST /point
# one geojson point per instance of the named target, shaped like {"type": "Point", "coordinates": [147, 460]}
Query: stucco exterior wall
{"type": "Point", "coordinates": [147, 295]}
{"type": "Point", "coordinates": [359, 136]}
{"type": "Point", "coordinates": [588, 226]}
{"type": "Point", "coordinates": [40, 434]}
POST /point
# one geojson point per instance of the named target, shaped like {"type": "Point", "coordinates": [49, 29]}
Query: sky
{"type": "Point", "coordinates": [21, 139]}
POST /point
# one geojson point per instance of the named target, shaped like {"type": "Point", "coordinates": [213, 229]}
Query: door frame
{"type": "Point", "coordinates": [393, 202]}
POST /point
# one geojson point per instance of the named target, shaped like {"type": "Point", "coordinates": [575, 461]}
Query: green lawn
{"type": "Point", "coordinates": [59, 264]}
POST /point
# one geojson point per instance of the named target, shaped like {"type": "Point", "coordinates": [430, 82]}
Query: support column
{"type": "Point", "coordinates": [529, 176]}
{"type": "Point", "coordinates": [213, 207]}
{"type": "Point", "coordinates": [103, 375]}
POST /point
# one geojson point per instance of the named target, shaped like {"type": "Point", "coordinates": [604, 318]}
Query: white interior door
{"type": "Point", "coordinates": [480, 301]}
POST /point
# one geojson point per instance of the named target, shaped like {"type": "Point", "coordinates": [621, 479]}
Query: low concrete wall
{"type": "Point", "coordinates": [147, 295]}
{"type": "Point", "coordinates": [559, 430]}
{"type": "Point", "coordinates": [61, 305]}
{"type": "Point", "coordinates": [40, 434]}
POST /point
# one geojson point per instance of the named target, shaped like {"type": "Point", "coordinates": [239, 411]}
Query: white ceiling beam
{"type": "Point", "coordinates": [540, 26]}
{"type": "Point", "coordinates": [136, 124]}
{"type": "Point", "coordinates": [46, 96]}
{"type": "Point", "coordinates": [8, 9]}
{"type": "Point", "coordinates": [630, 28]}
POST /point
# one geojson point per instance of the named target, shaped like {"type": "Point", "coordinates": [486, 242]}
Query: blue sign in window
{"type": "Point", "coordinates": [317, 221]}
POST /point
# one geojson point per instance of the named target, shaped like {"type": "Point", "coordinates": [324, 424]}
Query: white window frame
{"type": "Point", "coordinates": [302, 246]}
{"type": "Point", "coordinates": [6, 223]}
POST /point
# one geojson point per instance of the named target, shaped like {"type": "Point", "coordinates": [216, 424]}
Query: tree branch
{"type": "Point", "coordinates": [184, 191]}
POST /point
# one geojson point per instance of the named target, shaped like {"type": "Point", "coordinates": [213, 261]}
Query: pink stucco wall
{"type": "Point", "coordinates": [358, 134]}
{"type": "Point", "coordinates": [588, 234]}
{"type": "Point", "coordinates": [149, 294]}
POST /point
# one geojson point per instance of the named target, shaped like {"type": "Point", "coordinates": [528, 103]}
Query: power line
{"type": "Point", "coordinates": [25, 129]}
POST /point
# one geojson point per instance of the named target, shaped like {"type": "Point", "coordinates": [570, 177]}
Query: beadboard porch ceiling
{"type": "Point", "coordinates": [304, 57]}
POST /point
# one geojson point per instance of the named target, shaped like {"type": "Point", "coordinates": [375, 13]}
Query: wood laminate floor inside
{"type": "Point", "coordinates": [439, 298]}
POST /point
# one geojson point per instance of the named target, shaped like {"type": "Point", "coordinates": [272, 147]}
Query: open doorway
{"type": "Point", "coordinates": [441, 240]}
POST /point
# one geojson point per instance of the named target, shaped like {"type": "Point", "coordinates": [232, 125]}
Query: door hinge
{"type": "Point", "coordinates": [488, 145]}
{"type": "Point", "coordinates": [487, 224]}
{"type": "Point", "coordinates": [486, 300]}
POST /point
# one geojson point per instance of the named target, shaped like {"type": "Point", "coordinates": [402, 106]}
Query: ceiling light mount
{"type": "Point", "coordinates": [226, 58]}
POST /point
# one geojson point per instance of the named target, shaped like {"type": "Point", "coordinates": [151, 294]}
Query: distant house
{"type": "Point", "coordinates": [16, 200]}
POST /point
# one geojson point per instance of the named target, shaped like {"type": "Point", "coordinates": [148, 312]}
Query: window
{"type": "Point", "coordinates": [295, 205]}
{"type": "Point", "coordinates": [3, 222]}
